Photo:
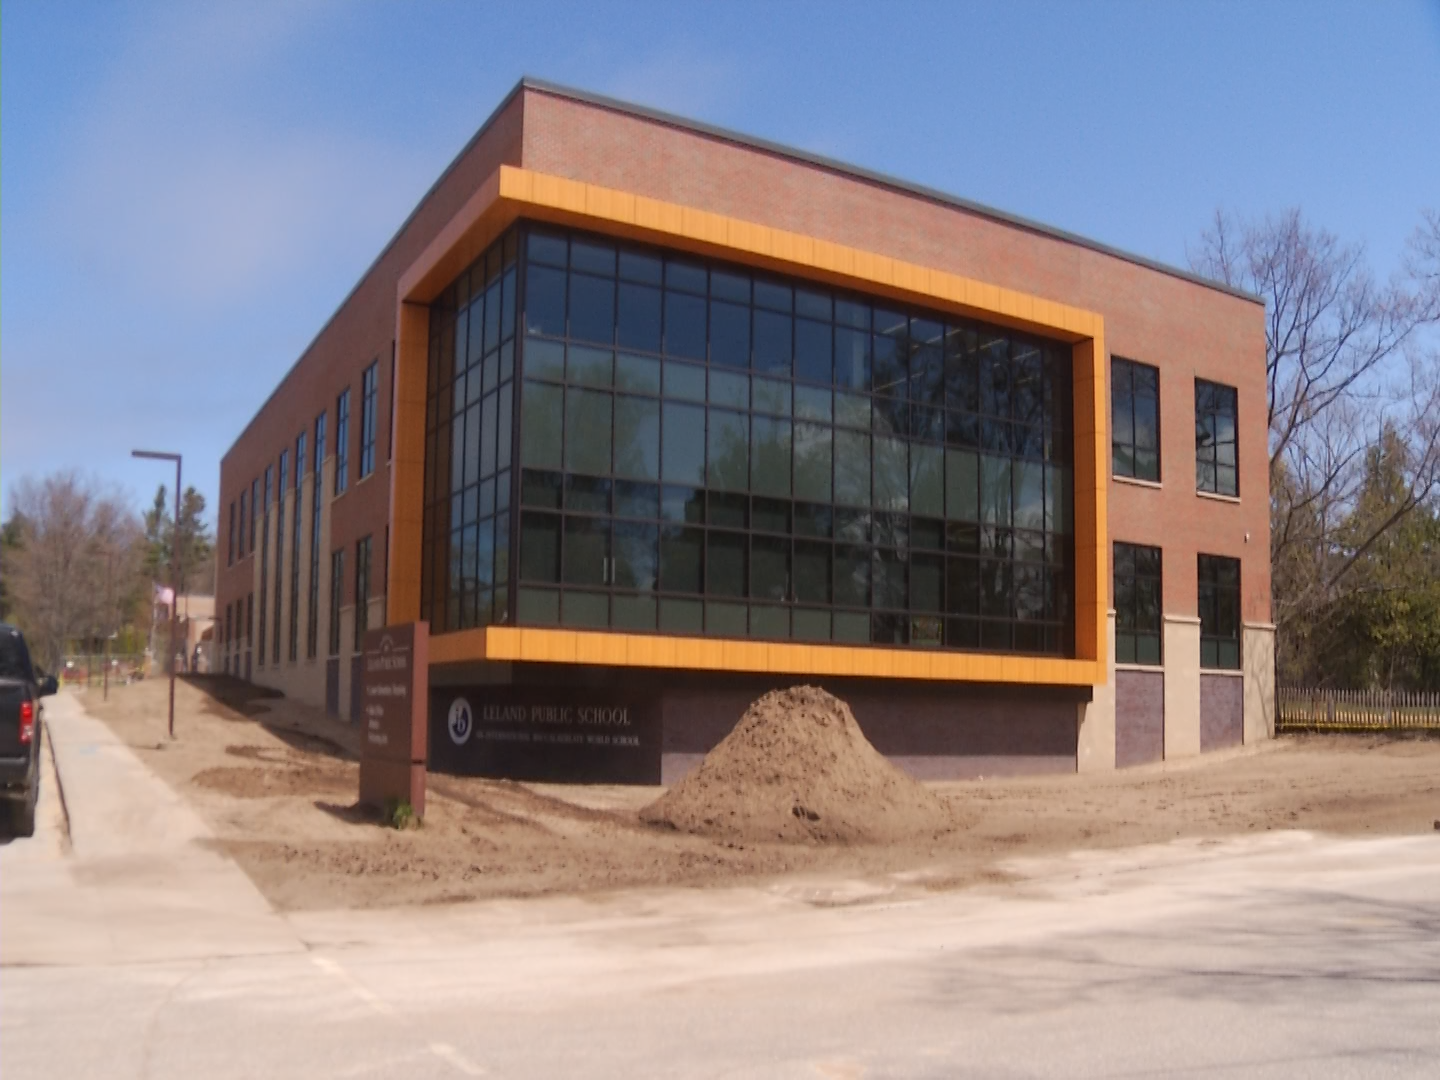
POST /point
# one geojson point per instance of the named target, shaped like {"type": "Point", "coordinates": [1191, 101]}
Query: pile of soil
{"type": "Point", "coordinates": [797, 768]}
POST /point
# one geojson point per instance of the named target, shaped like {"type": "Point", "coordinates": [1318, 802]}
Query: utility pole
{"type": "Point", "coordinates": [156, 455]}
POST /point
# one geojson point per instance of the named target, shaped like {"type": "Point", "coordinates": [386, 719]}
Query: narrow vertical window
{"type": "Point", "coordinates": [369, 390]}
{"type": "Point", "coordinates": [1135, 419]}
{"type": "Point", "coordinates": [362, 591]}
{"type": "Point", "coordinates": [293, 647]}
{"type": "Point", "coordinates": [1219, 602]}
{"type": "Point", "coordinates": [254, 511]}
{"type": "Point", "coordinates": [1216, 461]}
{"type": "Point", "coordinates": [342, 442]}
{"type": "Point", "coordinates": [337, 596]}
{"type": "Point", "coordinates": [280, 551]}
{"type": "Point", "coordinates": [265, 558]}
{"type": "Point", "coordinates": [243, 533]}
{"type": "Point", "coordinates": [230, 556]}
{"type": "Point", "coordinates": [1137, 604]}
{"type": "Point", "coordinates": [312, 628]}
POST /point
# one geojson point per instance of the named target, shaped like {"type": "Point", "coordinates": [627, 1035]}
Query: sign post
{"type": "Point", "coordinates": [395, 693]}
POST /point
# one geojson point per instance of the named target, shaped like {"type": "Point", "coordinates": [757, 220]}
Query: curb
{"type": "Point", "coordinates": [59, 789]}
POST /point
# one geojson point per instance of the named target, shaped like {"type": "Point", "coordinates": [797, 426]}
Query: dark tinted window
{"type": "Point", "coordinates": [1137, 604]}
{"type": "Point", "coordinates": [1219, 602]}
{"type": "Point", "coordinates": [1135, 419]}
{"type": "Point", "coordinates": [1216, 461]}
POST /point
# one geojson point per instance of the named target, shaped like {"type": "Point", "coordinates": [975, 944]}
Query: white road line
{"type": "Point", "coordinates": [447, 1053]}
{"type": "Point", "coordinates": [329, 966]}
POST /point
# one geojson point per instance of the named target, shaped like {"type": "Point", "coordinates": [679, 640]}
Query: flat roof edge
{"type": "Point", "coordinates": [884, 180]}
{"type": "Point", "coordinates": [740, 139]}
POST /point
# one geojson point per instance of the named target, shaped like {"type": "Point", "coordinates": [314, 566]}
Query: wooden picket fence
{"type": "Point", "coordinates": [1357, 710]}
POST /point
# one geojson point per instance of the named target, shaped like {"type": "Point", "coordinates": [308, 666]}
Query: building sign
{"type": "Point", "coordinates": [394, 699]}
{"type": "Point", "coordinates": [537, 734]}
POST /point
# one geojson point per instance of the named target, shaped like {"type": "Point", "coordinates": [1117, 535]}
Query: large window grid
{"type": "Point", "coordinates": [469, 444]}
{"type": "Point", "coordinates": [1138, 604]}
{"type": "Point", "coordinates": [1218, 596]}
{"type": "Point", "coordinates": [711, 452]}
{"type": "Point", "coordinates": [369, 388]}
{"type": "Point", "coordinates": [1216, 463]}
{"type": "Point", "coordinates": [1135, 420]}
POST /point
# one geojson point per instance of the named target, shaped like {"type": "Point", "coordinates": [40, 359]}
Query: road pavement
{"type": "Point", "coordinates": [1286, 954]}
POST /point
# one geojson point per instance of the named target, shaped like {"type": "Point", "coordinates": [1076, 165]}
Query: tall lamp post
{"type": "Point", "coordinates": [156, 455]}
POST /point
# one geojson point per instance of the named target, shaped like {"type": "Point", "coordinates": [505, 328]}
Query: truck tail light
{"type": "Point", "coordinates": [27, 722]}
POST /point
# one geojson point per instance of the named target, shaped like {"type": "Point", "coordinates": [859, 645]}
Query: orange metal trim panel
{"type": "Point", "coordinates": [512, 193]}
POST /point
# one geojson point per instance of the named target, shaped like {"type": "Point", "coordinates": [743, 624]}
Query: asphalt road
{"type": "Point", "coordinates": [1276, 956]}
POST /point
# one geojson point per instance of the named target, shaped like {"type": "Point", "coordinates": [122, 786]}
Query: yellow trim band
{"type": "Point", "coordinates": [511, 193]}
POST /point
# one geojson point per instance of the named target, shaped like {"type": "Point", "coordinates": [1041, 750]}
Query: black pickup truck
{"type": "Point", "coordinates": [21, 688]}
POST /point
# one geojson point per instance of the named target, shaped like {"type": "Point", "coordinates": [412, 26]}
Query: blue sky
{"type": "Point", "coordinates": [189, 190]}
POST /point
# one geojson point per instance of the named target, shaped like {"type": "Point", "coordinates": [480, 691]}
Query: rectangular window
{"type": "Point", "coordinates": [243, 526]}
{"type": "Point", "coordinates": [337, 596]}
{"type": "Point", "coordinates": [254, 512]}
{"type": "Point", "coordinates": [312, 626]}
{"type": "Point", "coordinates": [1216, 462]}
{"type": "Point", "coordinates": [1219, 602]}
{"type": "Point", "coordinates": [342, 442]}
{"type": "Point", "coordinates": [362, 591]}
{"type": "Point", "coordinates": [249, 619]}
{"type": "Point", "coordinates": [230, 557]}
{"type": "Point", "coordinates": [1135, 419]}
{"type": "Point", "coordinates": [369, 390]}
{"type": "Point", "coordinates": [1138, 600]}
{"type": "Point", "coordinates": [293, 647]}
{"type": "Point", "coordinates": [265, 559]}
{"type": "Point", "coordinates": [280, 551]}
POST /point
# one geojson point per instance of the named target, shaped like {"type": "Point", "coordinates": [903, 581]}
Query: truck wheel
{"type": "Point", "coordinates": [22, 814]}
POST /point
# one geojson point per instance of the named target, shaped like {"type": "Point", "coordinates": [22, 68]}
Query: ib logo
{"type": "Point", "coordinates": [461, 721]}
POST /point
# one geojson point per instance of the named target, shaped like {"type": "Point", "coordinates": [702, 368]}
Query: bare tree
{"type": "Point", "coordinates": [76, 564]}
{"type": "Point", "coordinates": [1346, 358]}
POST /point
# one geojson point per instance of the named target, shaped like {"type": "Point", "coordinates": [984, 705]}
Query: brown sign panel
{"type": "Point", "coordinates": [394, 708]}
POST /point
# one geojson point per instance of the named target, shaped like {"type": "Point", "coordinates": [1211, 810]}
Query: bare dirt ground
{"type": "Point", "coordinates": [277, 782]}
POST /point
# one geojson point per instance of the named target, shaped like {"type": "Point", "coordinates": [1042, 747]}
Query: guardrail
{"type": "Point", "coordinates": [1356, 710]}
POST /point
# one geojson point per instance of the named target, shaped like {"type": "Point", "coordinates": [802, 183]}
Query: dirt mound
{"type": "Point", "coordinates": [797, 767]}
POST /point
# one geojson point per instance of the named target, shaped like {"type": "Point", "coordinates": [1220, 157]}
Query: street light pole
{"type": "Point", "coordinates": [156, 455]}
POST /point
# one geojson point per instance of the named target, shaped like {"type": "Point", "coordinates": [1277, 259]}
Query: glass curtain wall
{"type": "Point", "coordinates": [708, 450]}
{"type": "Point", "coordinates": [465, 575]}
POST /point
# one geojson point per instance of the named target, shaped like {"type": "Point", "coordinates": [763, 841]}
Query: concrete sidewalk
{"type": "Point", "coordinates": [140, 883]}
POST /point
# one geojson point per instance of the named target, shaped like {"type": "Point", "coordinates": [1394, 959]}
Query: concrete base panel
{"type": "Point", "coordinates": [1182, 687]}
{"type": "Point", "coordinates": [1095, 719]}
{"type": "Point", "coordinates": [1259, 642]}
